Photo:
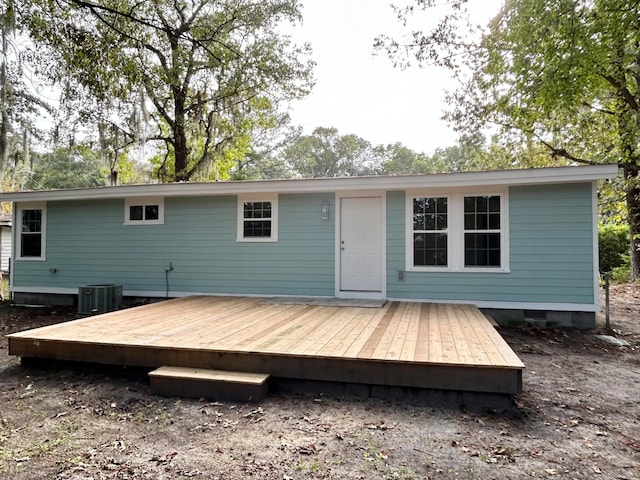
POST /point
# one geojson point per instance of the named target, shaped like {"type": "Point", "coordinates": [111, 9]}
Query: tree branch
{"type": "Point", "coordinates": [562, 152]}
{"type": "Point", "coordinates": [601, 110]}
{"type": "Point", "coordinates": [554, 151]}
{"type": "Point", "coordinates": [156, 102]}
{"type": "Point", "coordinates": [623, 91]}
{"type": "Point", "coordinates": [94, 8]}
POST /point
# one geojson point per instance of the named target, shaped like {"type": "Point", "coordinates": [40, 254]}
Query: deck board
{"type": "Point", "coordinates": [408, 343]}
{"type": "Point", "coordinates": [371, 343]}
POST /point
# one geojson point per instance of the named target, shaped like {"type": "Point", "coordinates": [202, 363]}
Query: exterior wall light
{"type": "Point", "coordinates": [324, 212]}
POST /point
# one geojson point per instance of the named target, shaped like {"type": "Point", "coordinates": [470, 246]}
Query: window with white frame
{"type": "Point", "coordinates": [144, 211]}
{"type": "Point", "coordinates": [430, 232]}
{"type": "Point", "coordinates": [258, 219]}
{"type": "Point", "coordinates": [482, 231]}
{"type": "Point", "coordinates": [457, 231]}
{"type": "Point", "coordinates": [32, 225]}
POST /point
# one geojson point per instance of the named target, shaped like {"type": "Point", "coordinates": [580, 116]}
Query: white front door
{"type": "Point", "coordinates": [360, 244]}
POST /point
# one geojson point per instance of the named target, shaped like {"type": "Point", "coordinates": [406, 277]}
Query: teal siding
{"type": "Point", "coordinates": [551, 252]}
{"type": "Point", "coordinates": [87, 243]}
{"type": "Point", "coordinates": [395, 242]}
{"type": "Point", "coordinates": [550, 234]}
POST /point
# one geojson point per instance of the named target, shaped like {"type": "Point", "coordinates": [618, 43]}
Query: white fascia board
{"type": "Point", "coordinates": [341, 184]}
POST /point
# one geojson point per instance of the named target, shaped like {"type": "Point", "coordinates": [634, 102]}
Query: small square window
{"type": "Point", "coordinates": [136, 212]}
{"type": "Point", "coordinates": [258, 219]}
{"type": "Point", "coordinates": [151, 212]}
{"type": "Point", "coordinates": [144, 211]}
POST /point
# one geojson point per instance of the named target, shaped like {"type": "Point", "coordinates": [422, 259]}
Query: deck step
{"type": "Point", "coordinates": [212, 384]}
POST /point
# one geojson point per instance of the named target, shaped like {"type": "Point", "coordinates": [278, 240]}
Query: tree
{"type": "Point", "coordinates": [401, 160]}
{"type": "Point", "coordinates": [67, 168]}
{"type": "Point", "coordinates": [563, 74]}
{"type": "Point", "coordinates": [326, 153]}
{"type": "Point", "coordinates": [18, 105]}
{"type": "Point", "coordinates": [200, 67]}
{"type": "Point", "coordinates": [264, 158]}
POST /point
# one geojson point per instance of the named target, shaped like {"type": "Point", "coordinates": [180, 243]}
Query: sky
{"type": "Point", "coordinates": [362, 94]}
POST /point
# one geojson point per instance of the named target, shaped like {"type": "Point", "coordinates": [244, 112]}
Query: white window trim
{"type": "Point", "coordinates": [455, 229]}
{"type": "Point", "coordinates": [409, 235]}
{"type": "Point", "coordinates": [273, 198]}
{"type": "Point", "coordinates": [43, 231]}
{"type": "Point", "coordinates": [134, 201]}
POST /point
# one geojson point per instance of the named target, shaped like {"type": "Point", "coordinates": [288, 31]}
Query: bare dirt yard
{"type": "Point", "coordinates": [578, 417]}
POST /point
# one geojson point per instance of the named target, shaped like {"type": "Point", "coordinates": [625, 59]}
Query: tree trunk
{"type": "Point", "coordinates": [631, 174]}
{"type": "Point", "coordinates": [180, 147]}
{"type": "Point", "coordinates": [181, 152]}
{"type": "Point", "coordinates": [4, 117]}
{"type": "Point", "coordinates": [26, 153]}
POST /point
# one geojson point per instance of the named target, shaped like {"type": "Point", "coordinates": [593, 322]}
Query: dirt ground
{"type": "Point", "coordinates": [578, 417]}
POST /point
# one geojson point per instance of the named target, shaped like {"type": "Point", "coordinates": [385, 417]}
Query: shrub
{"type": "Point", "coordinates": [614, 247]}
{"type": "Point", "coordinates": [621, 274]}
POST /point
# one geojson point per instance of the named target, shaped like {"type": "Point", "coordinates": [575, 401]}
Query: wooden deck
{"type": "Point", "coordinates": [401, 344]}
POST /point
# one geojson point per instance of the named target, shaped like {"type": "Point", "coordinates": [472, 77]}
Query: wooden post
{"type": "Point", "coordinates": [606, 300]}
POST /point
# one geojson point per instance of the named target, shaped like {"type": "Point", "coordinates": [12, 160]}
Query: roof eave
{"type": "Point", "coordinates": [341, 184]}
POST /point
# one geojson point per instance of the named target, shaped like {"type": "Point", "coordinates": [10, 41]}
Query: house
{"type": "Point", "coordinates": [5, 242]}
{"type": "Point", "coordinates": [520, 243]}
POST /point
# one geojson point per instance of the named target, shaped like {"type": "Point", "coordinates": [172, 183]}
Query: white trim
{"type": "Point", "coordinates": [163, 294]}
{"type": "Point", "coordinates": [596, 250]}
{"type": "Point", "coordinates": [17, 239]}
{"type": "Point", "coordinates": [560, 307]}
{"type": "Point", "coordinates": [14, 247]}
{"type": "Point", "coordinates": [155, 293]}
{"type": "Point", "coordinates": [455, 229]}
{"type": "Point", "coordinates": [56, 290]}
{"type": "Point", "coordinates": [383, 245]}
{"type": "Point", "coordinates": [273, 199]}
{"type": "Point", "coordinates": [143, 201]}
{"type": "Point", "coordinates": [532, 176]}
{"type": "Point", "coordinates": [344, 295]}
{"type": "Point", "coordinates": [408, 211]}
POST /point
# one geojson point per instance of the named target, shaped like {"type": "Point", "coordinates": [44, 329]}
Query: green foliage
{"type": "Point", "coordinates": [67, 168]}
{"type": "Point", "coordinates": [130, 171]}
{"type": "Point", "coordinates": [400, 160]}
{"type": "Point", "coordinates": [556, 76]}
{"type": "Point", "coordinates": [614, 247]}
{"type": "Point", "coordinates": [326, 153]}
{"type": "Point", "coordinates": [621, 274]}
{"type": "Point", "coordinates": [612, 203]}
{"type": "Point", "coordinates": [206, 70]}
{"type": "Point", "coordinates": [19, 106]}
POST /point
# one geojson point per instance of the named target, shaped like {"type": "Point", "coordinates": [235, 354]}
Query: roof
{"type": "Point", "coordinates": [534, 176]}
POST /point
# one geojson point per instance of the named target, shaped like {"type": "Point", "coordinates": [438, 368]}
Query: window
{"type": "Point", "coordinates": [32, 221]}
{"type": "Point", "coordinates": [482, 231]}
{"type": "Point", "coordinates": [457, 231]}
{"type": "Point", "coordinates": [257, 219]}
{"type": "Point", "coordinates": [144, 211]}
{"type": "Point", "coordinates": [430, 237]}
